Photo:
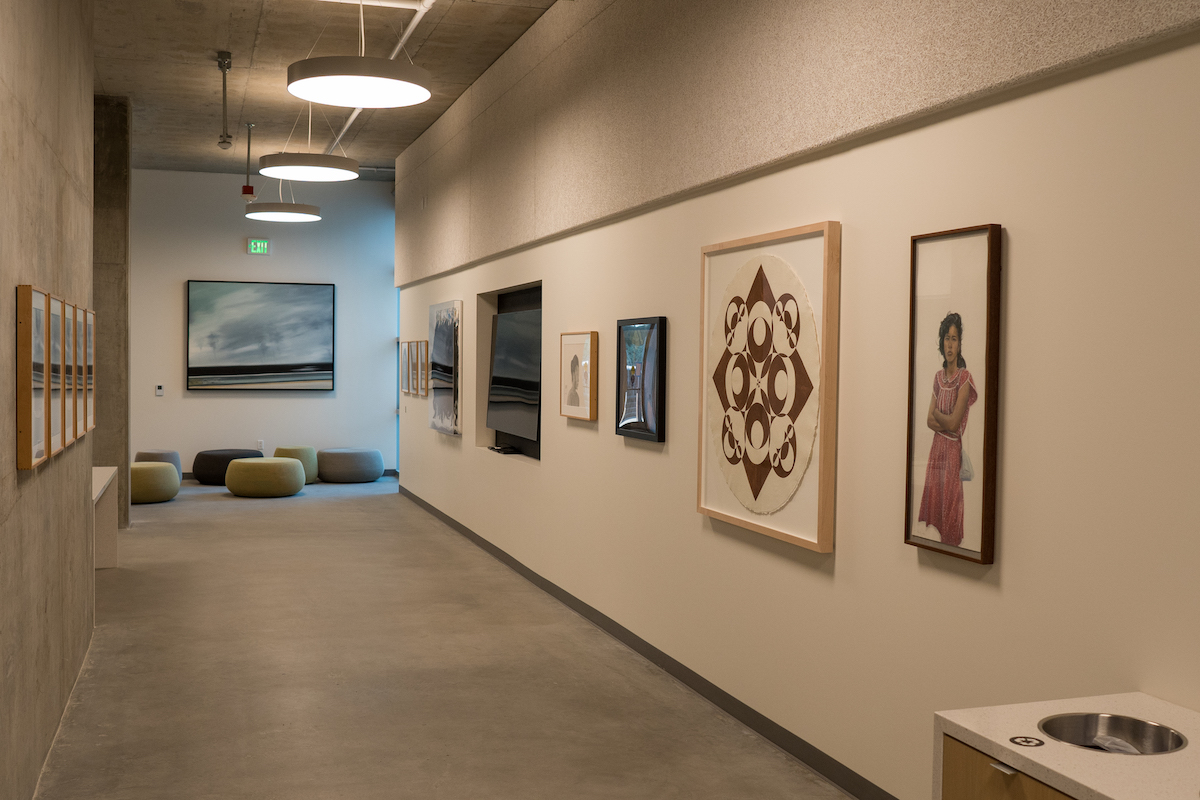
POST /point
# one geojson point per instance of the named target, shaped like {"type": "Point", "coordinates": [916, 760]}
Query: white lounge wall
{"type": "Point", "coordinates": [190, 226]}
{"type": "Point", "coordinates": [1094, 588]}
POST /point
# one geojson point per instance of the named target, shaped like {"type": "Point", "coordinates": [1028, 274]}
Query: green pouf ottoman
{"type": "Point", "coordinates": [305, 455]}
{"type": "Point", "coordinates": [350, 465]}
{"type": "Point", "coordinates": [264, 477]}
{"type": "Point", "coordinates": [152, 481]}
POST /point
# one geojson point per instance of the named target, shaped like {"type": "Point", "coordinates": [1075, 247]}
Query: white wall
{"type": "Point", "coordinates": [1094, 588]}
{"type": "Point", "coordinates": [190, 226]}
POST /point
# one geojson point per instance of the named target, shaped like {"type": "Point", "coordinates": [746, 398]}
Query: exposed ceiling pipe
{"type": "Point", "coordinates": [421, 7]}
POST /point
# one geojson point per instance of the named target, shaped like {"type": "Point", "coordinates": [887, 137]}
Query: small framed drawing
{"type": "Point", "coordinates": [642, 378]}
{"type": "Point", "coordinates": [423, 368]}
{"type": "Point", "coordinates": [953, 392]}
{"type": "Point", "coordinates": [578, 356]}
{"type": "Point", "coordinates": [769, 383]}
{"type": "Point", "coordinates": [54, 363]}
{"type": "Point", "coordinates": [90, 376]}
{"type": "Point", "coordinates": [32, 328]}
{"type": "Point", "coordinates": [405, 374]}
{"type": "Point", "coordinates": [68, 374]}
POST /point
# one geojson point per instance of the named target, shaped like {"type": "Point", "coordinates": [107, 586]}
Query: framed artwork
{"type": "Point", "coordinates": [68, 374]}
{"type": "Point", "coordinates": [405, 376]}
{"type": "Point", "coordinates": [80, 368]}
{"type": "Point", "coordinates": [642, 378]}
{"type": "Point", "coordinates": [578, 357]}
{"type": "Point", "coordinates": [90, 376]}
{"type": "Point", "coordinates": [445, 338]}
{"type": "Point", "coordinates": [414, 368]}
{"type": "Point", "coordinates": [263, 336]}
{"type": "Point", "coordinates": [768, 383]}
{"type": "Point", "coordinates": [423, 368]}
{"type": "Point", "coordinates": [54, 404]}
{"type": "Point", "coordinates": [953, 392]}
{"type": "Point", "coordinates": [32, 400]}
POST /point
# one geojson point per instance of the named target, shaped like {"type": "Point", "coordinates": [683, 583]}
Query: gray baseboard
{"type": "Point", "coordinates": [835, 771]}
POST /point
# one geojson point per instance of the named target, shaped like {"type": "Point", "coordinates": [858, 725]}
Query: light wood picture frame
{"type": "Point", "coordinates": [423, 368]}
{"type": "Point", "coordinates": [80, 397]}
{"type": "Point", "coordinates": [33, 314]}
{"type": "Point", "coordinates": [954, 310]}
{"type": "Point", "coordinates": [579, 357]}
{"type": "Point", "coordinates": [769, 320]}
{"type": "Point", "coordinates": [68, 374]}
{"type": "Point", "coordinates": [414, 368]}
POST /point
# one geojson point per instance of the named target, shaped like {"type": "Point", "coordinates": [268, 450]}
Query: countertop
{"type": "Point", "coordinates": [1080, 772]}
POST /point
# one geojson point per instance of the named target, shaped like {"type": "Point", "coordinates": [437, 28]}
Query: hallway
{"type": "Point", "coordinates": [343, 643]}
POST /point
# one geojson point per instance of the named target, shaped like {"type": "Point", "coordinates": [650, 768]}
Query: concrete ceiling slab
{"type": "Point", "coordinates": [162, 55]}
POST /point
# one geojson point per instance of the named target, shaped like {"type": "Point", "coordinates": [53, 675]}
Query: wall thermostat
{"type": "Point", "coordinates": [158, 390]}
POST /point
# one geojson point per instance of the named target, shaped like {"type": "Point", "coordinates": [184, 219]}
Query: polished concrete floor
{"type": "Point", "coordinates": [343, 643]}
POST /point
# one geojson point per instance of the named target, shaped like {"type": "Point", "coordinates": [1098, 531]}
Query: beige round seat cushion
{"type": "Point", "coordinates": [264, 477]}
{"type": "Point", "coordinates": [152, 481]}
{"type": "Point", "coordinates": [305, 455]}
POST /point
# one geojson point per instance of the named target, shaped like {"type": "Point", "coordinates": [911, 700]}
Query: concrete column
{"type": "Point", "coordinates": [110, 289]}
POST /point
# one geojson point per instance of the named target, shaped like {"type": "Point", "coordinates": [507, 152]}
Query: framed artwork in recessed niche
{"type": "Point", "coordinates": [445, 350]}
{"type": "Point", "coordinates": [33, 312]}
{"type": "Point", "coordinates": [642, 378]}
{"type": "Point", "coordinates": [768, 383]}
{"type": "Point", "coordinates": [954, 370]}
{"type": "Point", "coordinates": [578, 356]}
{"type": "Point", "coordinates": [260, 336]}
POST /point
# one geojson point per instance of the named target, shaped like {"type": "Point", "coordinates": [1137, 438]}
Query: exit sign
{"type": "Point", "coordinates": [258, 247]}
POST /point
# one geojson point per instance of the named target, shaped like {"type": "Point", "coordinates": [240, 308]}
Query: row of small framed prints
{"type": "Point", "coordinates": [55, 375]}
{"type": "Point", "coordinates": [414, 368]}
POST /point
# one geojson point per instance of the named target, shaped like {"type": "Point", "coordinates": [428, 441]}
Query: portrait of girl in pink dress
{"type": "Point", "coordinates": [953, 395]}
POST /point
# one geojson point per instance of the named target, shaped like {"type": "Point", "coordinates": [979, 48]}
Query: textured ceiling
{"type": "Point", "coordinates": [162, 55]}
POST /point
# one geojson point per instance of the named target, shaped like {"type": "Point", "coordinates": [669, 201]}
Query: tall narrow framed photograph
{"type": "Point", "coordinates": [80, 370]}
{"type": "Point", "coordinates": [642, 378]}
{"type": "Point", "coordinates": [68, 374]}
{"type": "Point", "coordinates": [953, 392]}
{"type": "Point", "coordinates": [54, 395]}
{"type": "Point", "coordinates": [769, 383]}
{"type": "Point", "coordinates": [445, 364]}
{"type": "Point", "coordinates": [405, 375]}
{"type": "Point", "coordinates": [32, 329]}
{"type": "Point", "coordinates": [414, 368]}
{"type": "Point", "coordinates": [423, 368]}
{"type": "Point", "coordinates": [578, 356]}
{"type": "Point", "coordinates": [90, 376]}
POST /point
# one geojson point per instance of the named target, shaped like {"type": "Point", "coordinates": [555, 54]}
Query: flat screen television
{"type": "Point", "coordinates": [515, 387]}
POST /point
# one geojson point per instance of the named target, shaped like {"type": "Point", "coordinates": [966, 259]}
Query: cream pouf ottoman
{"type": "Point", "coordinates": [152, 481]}
{"type": "Point", "coordinates": [264, 477]}
{"type": "Point", "coordinates": [349, 465]}
{"type": "Point", "coordinates": [305, 455]}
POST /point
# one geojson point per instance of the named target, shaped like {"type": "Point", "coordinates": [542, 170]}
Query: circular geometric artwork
{"type": "Point", "coordinates": [765, 387]}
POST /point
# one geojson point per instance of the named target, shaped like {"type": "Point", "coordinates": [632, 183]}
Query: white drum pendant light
{"type": "Point", "coordinates": [358, 82]}
{"type": "Point", "coordinates": [308, 167]}
{"type": "Point", "coordinates": [283, 212]}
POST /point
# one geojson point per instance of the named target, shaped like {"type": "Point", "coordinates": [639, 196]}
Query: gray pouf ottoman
{"type": "Point", "coordinates": [169, 456]}
{"type": "Point", "coordinates": [349, 465]}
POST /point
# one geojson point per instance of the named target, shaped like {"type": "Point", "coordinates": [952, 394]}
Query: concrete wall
{"type": "Point", "coordinates": [191, 226]}
{"type": "Point", "coordinates": [610, 105]}
{"type": "Point", "coordinates": [46, 577]}
{"type": "Point", "coordinates": [1093, 589]}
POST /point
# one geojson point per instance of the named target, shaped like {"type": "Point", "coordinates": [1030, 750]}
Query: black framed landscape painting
{"type": "Point", "coordinates": [265, 336]}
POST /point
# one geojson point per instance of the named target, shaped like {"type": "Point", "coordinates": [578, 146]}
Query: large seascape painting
{"type": "Point", "coordinates": [275, 336]}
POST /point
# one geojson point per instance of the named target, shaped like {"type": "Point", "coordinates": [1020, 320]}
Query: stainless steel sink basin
{"type": "Point", "coordinates": [1112, 733]}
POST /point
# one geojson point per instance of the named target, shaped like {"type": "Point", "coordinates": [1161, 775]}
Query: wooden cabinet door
{"type": "Point", "coordinates": [968, 774]}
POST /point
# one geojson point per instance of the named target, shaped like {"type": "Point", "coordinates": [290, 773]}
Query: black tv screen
{"type": "Point", "coordinates": [514, 392]}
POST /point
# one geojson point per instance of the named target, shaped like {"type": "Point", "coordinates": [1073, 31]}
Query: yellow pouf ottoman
{"type": "Point", "coordinates": [152, 481]}
{"type": "Point", "coordinates": [305, 455]}
{"type": "Point", "coordinates": [264, 477]}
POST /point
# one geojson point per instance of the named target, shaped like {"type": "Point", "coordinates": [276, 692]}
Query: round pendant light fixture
{"type": "Point", "coordinates": [283, 212]}
{"type": "Point", "coordinates": [316, 167]}
{"type": "Point", "coordinates": [359, 82]}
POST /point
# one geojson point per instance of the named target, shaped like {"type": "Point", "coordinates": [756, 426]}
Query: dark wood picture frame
{"type": "Point", "coordinates": [985, 471]}
{"type": "Point", "coordinates": [635, 417]}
